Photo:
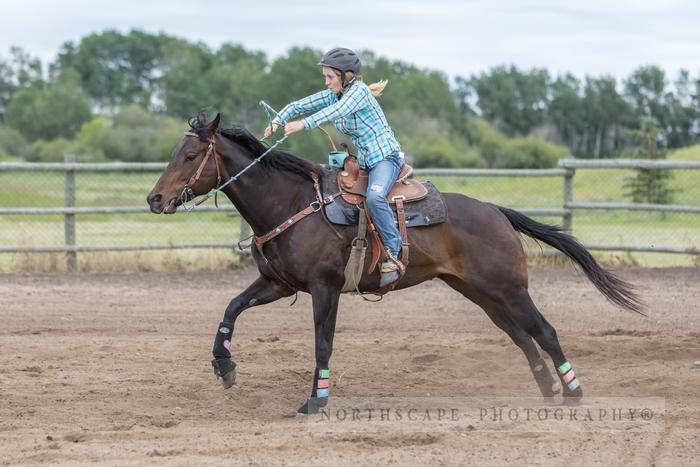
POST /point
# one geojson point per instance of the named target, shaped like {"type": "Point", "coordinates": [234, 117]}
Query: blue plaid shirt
{"type": "Point", "coordinates": [356, 113]}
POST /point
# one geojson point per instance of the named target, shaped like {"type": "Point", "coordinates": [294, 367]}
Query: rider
{"type": "Point", "coordinates": [351, 105]}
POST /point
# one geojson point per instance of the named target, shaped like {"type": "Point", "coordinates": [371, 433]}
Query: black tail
{"type": "Point", "coordinates": [615, 289]}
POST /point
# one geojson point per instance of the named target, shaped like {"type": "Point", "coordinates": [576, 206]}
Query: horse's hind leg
{"type": "Point", "coordinates": [546, 383]}
{"type": "Point", "coordinates": [549, 387]}
{"type": "Point", "coordinates": [525, 314]}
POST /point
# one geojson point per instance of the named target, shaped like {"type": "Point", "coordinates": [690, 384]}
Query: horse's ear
{"type": "Point", "coordinates": [214, 125]}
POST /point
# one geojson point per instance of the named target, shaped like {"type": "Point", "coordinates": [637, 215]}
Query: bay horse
{"type": "Point", "coordinates": [477, 252]}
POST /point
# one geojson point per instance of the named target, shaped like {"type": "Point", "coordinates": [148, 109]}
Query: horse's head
{"type": "Point", "coordinates": [193, 169]}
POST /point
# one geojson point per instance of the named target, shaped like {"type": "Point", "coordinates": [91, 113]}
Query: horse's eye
{"type": "Point", "coordinates": [191, 157]}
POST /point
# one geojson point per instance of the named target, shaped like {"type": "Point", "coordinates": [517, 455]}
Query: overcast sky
{"type": "Point", "coordinates": [461, 38]}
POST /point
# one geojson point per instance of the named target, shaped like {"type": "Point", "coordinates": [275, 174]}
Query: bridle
{"type": "Point", "coordinates": [187, 193]}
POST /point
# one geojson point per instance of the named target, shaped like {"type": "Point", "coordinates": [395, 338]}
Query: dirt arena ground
{"type": "Point", "coordinates": [114, 369]}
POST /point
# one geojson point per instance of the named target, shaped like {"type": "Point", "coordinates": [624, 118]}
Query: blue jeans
{"type": "Point", "coordinates": [382, 177]}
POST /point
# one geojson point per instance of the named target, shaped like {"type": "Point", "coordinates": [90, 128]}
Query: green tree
{"type": "Point", "coordinates": [7, 87]}
{"type": "Point", "coordinates": [55, 110]}
{"type": "Point", "coordinates": [185, 88]}
{"type": "Point", "coordinates": [512, 101]}
{"type": "Point", "coordinates": [27, 70]}
{"type": "Point", "coordinates": [682, 113]}
{"type": "Point", "coordinates": [18, 72]}
{"type": "Point", "coordinates": [293, 76]}
{"type": "Point", "coordinates": [54, 150]}
{"type": "Point", "coordinates": [229, 80]}
{"type": "Point", "coordinates": [241, 74]}
{"type": "Point", "coordinates": [12, 143]}
{"type": "Point", "coordinates": [428, 142]}
{"type": "Point", "coordinates": [646, 89]}
{"type": "Point", "coordinates": [649, 185]}
{"type": "Point", "coordinates": [114, 68]}
{"type": "Point", "coordinates": [133, 134]}
{"type": "Point", "coordinates": [566, 110]}
{"type": "Point", "coordinates": [530, 152]}
{"type": "Point", "coordinates": [490, 142]}
{"type": "Point", "coordinates": [607, 116]}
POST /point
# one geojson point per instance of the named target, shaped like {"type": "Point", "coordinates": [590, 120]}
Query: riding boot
{"type": "Point", "coordinates": [391, 270]}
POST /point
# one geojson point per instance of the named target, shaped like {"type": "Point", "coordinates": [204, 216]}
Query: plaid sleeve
{"type": "Point", "coordinates": [302, 106]}
{"type": "Point", "coordinates": [352, 100]}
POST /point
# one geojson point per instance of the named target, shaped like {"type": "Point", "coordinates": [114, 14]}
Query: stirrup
{"type": "Point", "coordinates": [390, 258]}
{"type": "Point", "coordinates": [389, 277]}
{"type": "Point", "coordinates": [391, 270]}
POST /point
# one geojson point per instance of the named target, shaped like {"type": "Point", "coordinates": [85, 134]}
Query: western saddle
{"type": "Point", "coordinates": [352, 182]}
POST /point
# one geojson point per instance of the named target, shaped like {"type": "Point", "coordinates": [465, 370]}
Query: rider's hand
{"type": "Point", "coordinates": [270, 129]}
{"type": "Point", "coordinates": [293, 127]}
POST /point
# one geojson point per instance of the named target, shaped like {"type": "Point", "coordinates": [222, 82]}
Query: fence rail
{"type": "Point", "coordinates": [567, 171]}
{"type": "Point", "coordinates": [100, 210]}
{"type": "Point", "coordinates": [627, 164]}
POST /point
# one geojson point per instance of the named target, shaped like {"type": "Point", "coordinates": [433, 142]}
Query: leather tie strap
{"type": "Point", "coordinates": [401, 215]}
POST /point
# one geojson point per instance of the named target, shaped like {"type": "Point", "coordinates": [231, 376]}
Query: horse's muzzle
{"type": "Point", "coordinates": [155, 202]}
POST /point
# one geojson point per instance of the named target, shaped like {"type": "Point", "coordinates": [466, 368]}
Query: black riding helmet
{"type": "Point", "coordinates": [343, 60]}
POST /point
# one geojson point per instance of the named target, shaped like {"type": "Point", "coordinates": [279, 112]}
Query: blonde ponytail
{"type": "Point", "coordinates": [378, 87]}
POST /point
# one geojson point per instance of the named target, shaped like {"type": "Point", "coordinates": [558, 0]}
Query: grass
{"type": "Point", "coordinates": [31, 189]}
{"type": "Point", "coordinates": [129, 261]}
{"type": "Point", "coordinates": [690, 153]}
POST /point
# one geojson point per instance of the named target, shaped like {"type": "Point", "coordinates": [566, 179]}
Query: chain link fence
{"type": "Point", "coordinates": [95, 217]}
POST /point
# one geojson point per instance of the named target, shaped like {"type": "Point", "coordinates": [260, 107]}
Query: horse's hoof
{"type": "Point", "coordinates": [225, 369]}
{"type": "Point", "coordinates": [229, 379]}
{"type": "Point", "coordinates": [571, 401]}
{"type": "Point", "coordinates": [312, 405]}
{"type": "Point", "coordinates": [572, 397]}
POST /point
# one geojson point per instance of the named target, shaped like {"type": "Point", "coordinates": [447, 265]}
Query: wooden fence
{"type": "Point", "coordinates": [567, 171]}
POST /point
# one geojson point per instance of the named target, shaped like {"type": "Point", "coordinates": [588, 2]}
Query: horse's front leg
{"type": "Point", "coordinates": [258, 293]}
{"type": "Point", "coordinates": [325, 303]}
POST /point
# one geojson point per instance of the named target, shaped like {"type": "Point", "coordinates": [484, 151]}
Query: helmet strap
{"type": "Point", "coordinates": [346, 84]}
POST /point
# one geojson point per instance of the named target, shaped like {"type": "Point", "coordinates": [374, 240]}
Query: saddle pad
{"type": "Point", "coordinates": [427, 211]}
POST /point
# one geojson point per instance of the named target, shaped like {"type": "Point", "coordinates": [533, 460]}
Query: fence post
{"type": "Point", "coordinates": [567, 219]}
{"type": "Point", "coordinates": [245, 233]}
{"type": "Point", "coordinates": [245, 229]}
{"type": "Point", "coordinates": [69, 219]}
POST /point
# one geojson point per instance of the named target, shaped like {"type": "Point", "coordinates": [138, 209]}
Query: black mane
{"type": "Point", "coordinates": [276, 160]}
